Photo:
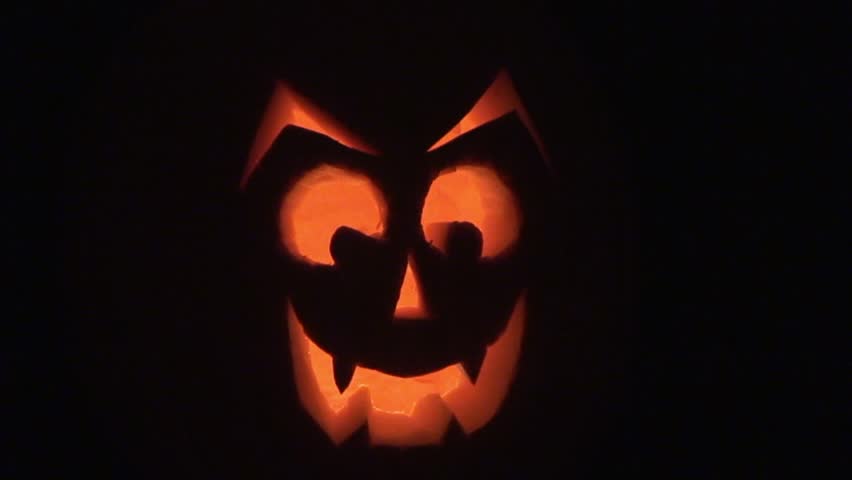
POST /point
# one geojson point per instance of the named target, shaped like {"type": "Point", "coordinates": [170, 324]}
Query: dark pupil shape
{"type": "Point", "coordinates": [463, 243]}
{"type": "Point", "coordinates": [352, 249]}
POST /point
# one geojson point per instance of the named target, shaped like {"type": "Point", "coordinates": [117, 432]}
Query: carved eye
{"type": "Point", "coordinates": [477, 195]}
{"type": "Point", "coordinates": [323, 200]}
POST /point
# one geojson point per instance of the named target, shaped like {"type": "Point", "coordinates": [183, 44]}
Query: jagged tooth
{"type": "Point", "coordinates": [343, 371]}
{"type": "Point", "coordinates": [473, 363]}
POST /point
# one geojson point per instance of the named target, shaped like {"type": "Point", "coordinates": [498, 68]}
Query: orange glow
{"type": "Point", "coordinates": [404, 411]}
{"type": "Point", "coordinates": [500, 98]}
{"type": "Point", "coordinates": [323, 200]}
{"type": "Point", "coordinates": [410, 303]}
{"type": "Point", "coordinates": [472, 194]}
{"type": "Point", "coordinates": [286, 107]}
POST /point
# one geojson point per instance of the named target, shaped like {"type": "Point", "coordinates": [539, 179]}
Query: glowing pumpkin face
{"type": "Point", "coordinates": [406, 292]}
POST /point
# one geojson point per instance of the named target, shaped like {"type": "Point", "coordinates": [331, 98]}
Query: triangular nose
{"type": "Point", "coordinates": [410, 303]}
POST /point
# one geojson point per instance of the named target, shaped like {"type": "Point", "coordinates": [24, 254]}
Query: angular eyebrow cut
{"type": "Point", "coordinates": [287, 107]}
{"type": "Point", "coordinates": [499, 99]}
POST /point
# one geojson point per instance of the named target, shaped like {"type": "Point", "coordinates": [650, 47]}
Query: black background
{"type": "Point", "coordinates": [661, 350]}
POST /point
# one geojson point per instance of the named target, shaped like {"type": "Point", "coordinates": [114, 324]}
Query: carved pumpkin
{"type": "Point", "coordinates": [405, 303]}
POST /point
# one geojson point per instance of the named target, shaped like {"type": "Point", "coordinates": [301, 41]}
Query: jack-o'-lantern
{"type": "Point", "coordinates": [405, 303]}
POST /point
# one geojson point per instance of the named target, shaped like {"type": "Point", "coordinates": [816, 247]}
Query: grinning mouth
{"type": "Point", "coordinates": [404, 411]}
